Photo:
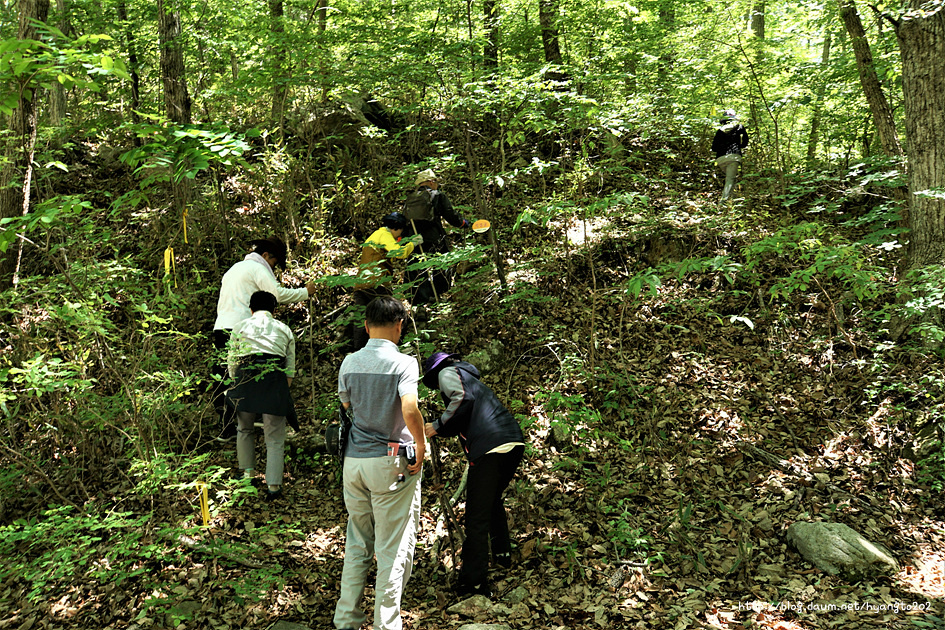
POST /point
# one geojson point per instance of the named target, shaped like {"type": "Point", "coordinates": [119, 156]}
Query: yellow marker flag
{"type": "Point", "coordinates": [169, 266]}
{"type": "Point", "coordinates": [204, 503]}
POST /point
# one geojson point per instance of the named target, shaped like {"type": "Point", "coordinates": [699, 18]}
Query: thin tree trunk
{"type": "Point", "coordinates": [322, 28]}
{"type": "Point", "coordinates": [16, 174]}
{"type": "Point", "coordinates": [668, 58]}
{"type": "Point", "coordinates": [548, 20]}
{"type": "Point", "coordinates": [757, 24]}
{"type": "Point", "coordinates": [57, 97]}
{"type": "Point", "coordinates": [814, 136]}
{"type": "Point", "coordinates": [277, 55]}
{"type": "Point", "coordinates": [132, 65]}
{"type": "Point", "coordinates": [490, 50]}
{"type": "Point", "coordinates": [872, 89]}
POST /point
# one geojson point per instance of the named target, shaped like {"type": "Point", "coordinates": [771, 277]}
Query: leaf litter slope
{"type": "Point", "coordinates": [670, 446]}
{"type": "Point", "coordinates": [672, 439]}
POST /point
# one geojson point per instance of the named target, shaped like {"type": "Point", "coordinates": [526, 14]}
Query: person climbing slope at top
{"type": "Point", "coordinates": [426, 208]}
{"type": "Point", "coordinates": [728, 143]}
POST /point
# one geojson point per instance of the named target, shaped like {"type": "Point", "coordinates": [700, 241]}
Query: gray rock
{"type": "Point", "coordinates": [517, 595]}
{"type": "Point", "coordinates": [926, 442]}
{"type": "Point", "coordinates": [488, 357]}
{"type": "Point", "coordinates": [839, 550]}
{"type": "Point", "coordinates": [182, 611]}
{"type": "Point", "coordinates": [475, 606]}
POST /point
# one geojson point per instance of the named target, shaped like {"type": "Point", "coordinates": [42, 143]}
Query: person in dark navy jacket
{"type": "Point", "coordinates": [494, 445]}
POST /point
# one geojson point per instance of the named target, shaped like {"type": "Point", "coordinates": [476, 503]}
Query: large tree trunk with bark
{"type": "Point", "coordinates": [173, 73]}
{"type": "Point", "coordinates": [921, 38]}
{"type": "Point", "coordinates": [16, 174]}
{"type": "Point", "coordinates": [921, 35]}
{"type": "Point", "coordinates": [176, 97]}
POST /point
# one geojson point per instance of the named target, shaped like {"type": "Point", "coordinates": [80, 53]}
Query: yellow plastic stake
{"type": "Point", "coordinates": [169, 266]}
{"type": "Point", "coordinates": [204, 503]}
{"type": "Point", "coordinates": [185, 224]}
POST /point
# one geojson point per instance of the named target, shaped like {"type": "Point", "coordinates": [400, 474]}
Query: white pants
{"type": "Point", "coordinates": [729, 165]}
{"type": "Point", "coordinates": [274, 430]}
{"type": "Point", "coordinates": [383, 517]}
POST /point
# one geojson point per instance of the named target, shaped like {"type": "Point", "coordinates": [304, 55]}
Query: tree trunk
{"type": "Point", "coordinates": [879, 106]}
{"type": "Point", "coordinates": [490, 50]}
{"type": "Point", "coordinates": [57, 97]}
{"type": "Point", "coordinates": [668, 58]}
{"type": "Point", "coordinates": [814, 136]}
{"type": "Point", "coordinates": [921, 39]}
{"type": "Point", "coordinates": [548, 20]}
{"type": "Point", "coordinates": [322, 27]}
{"type": "Point", "coordinates": [758, 19]}
{"type": "Point", "coordinates": [16, 175]}
{"type": "Point", "coordinates": [176, 98]}
{"type": "Point", "coordinates": [277, 55]}
{"type": "Point", "coordinates": [122, 10]}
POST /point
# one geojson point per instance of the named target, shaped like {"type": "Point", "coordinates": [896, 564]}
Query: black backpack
{"type": "Point", "coordinates": [336, 434]}
{"type": "Point", "coordinates": [419, 205]}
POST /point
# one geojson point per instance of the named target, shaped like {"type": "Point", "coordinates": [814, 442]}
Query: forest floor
{"type": "Point", "coordinates": [672, 439]}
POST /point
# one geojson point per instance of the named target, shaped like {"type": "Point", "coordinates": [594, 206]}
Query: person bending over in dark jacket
{"type": "Point", "coordinates": [494, 446]}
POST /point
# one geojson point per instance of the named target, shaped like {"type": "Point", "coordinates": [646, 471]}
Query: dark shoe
{"type": "Point", "coordinates": [274, 495]}
{"type": "Point", "coordinates": [468, 590]}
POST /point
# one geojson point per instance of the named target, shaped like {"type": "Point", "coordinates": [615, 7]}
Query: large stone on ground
{"type": "Point", "coordinates": [475, 606]}
{"type": "Point", "coordinates": [839, 550]}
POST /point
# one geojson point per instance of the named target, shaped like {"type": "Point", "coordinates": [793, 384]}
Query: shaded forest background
{"type": "Point", "coordinates": [693, 377]}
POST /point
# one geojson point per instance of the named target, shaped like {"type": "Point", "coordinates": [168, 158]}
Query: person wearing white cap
{"type": "Point", "coordinates": [728, 143]}
{"type": "Point", "coordinates": [426, 208]}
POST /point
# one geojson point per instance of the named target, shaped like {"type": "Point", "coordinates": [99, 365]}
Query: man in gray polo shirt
{"type": "Point", "coordinates": [378, 386]}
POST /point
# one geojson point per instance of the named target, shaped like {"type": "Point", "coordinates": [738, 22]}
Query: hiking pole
{"type": "Point", "coordinates": [448, 515]}
{"type": "Point", "coordinates": [429, 271]}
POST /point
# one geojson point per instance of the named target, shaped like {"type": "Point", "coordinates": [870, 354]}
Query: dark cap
{"type": "Point", "coordinates": [272, 245]}
{"type": "Point", "coordinates": [394, 221]}
{"type": "Point", "coordinates": [432, 366]}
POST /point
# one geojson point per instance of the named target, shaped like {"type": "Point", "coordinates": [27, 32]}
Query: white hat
{"type": "Point", "coordinates": [424, 176]}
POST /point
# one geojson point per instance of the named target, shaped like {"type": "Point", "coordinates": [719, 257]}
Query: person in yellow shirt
{"type": "Point", "coordinates": [375, 267]}
{"type": "Point", "coordinates": [385, 243]}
